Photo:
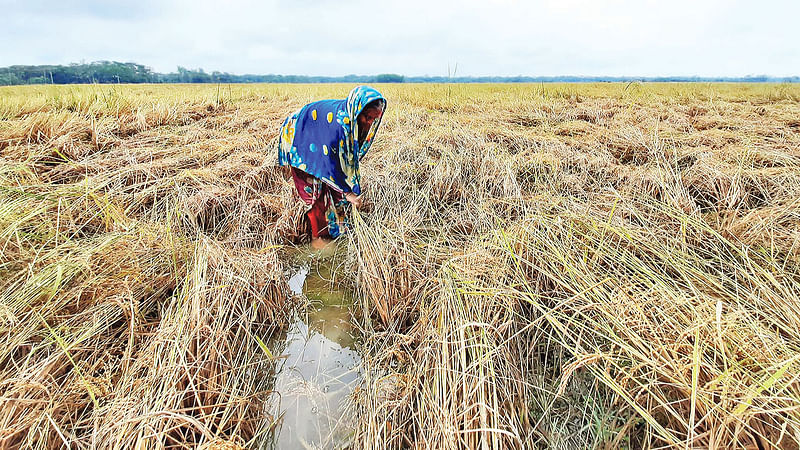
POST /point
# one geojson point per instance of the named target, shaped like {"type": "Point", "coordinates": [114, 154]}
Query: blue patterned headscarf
{"type": "Point", "coordinates": [321, 139]}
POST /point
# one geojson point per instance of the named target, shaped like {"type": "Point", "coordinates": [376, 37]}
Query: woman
{"type": "Point", "coordinates": [323, 144]}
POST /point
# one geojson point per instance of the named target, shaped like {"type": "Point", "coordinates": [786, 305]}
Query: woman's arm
{"type": "Point", "coordinates": [354, 199]}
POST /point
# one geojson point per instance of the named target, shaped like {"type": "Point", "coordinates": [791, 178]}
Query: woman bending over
{"type": "Point", "coordinates": [323, 144]}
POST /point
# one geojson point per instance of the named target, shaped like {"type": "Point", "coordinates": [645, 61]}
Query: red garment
{"type": "Point", "coordinates": [321, 200]}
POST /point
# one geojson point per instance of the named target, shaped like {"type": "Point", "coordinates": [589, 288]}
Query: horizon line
{"type": "Point", "coordinates": [427, 76]}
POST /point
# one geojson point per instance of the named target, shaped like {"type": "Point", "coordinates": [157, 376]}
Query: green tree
{"type": "Point", "coordinates": [389, 78]}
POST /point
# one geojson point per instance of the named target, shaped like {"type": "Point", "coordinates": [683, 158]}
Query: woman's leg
{"type": "Point", "coordinates": [317, 216]}
{"type": "Point", "coordinates": [312, 192]}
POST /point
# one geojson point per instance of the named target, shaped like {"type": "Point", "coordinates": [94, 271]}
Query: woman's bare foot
{"type": "Point", "coordinates": [320, 243]}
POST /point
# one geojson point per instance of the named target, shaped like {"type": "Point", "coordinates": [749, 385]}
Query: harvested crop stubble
{"type": "Point", "coordinates": [537, 266]}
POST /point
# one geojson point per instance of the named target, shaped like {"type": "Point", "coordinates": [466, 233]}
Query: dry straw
{"type": "Point", "coordinates": [537, 266]}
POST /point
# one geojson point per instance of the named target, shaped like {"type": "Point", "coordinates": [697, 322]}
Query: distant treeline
{"type": "Point", "coordinates": [117, 72]}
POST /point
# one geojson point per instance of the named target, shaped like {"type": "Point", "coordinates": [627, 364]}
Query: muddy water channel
{"type": "Point", "coordinates": [319, 366]}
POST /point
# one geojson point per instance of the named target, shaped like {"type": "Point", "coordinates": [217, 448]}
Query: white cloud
{"type": "Point", "coordinates": [490, 37]}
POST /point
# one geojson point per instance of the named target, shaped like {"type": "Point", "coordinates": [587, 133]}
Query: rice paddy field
{"type": "Point", "coordinates": [536, 266]}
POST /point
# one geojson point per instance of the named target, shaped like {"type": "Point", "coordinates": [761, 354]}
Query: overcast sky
{"type": "Point", "coordinates": [412, 37]}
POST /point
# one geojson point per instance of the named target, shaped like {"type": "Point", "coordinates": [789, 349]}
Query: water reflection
{"type": "Point", "coordinates": [320, 365]}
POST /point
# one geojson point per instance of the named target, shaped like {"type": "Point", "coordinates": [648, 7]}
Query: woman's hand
{"type": "Point", "coordinates": [353, 198]}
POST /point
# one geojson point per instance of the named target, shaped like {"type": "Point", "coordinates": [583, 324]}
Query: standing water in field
{"type": "Point", "coordinates": [318, 365]}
